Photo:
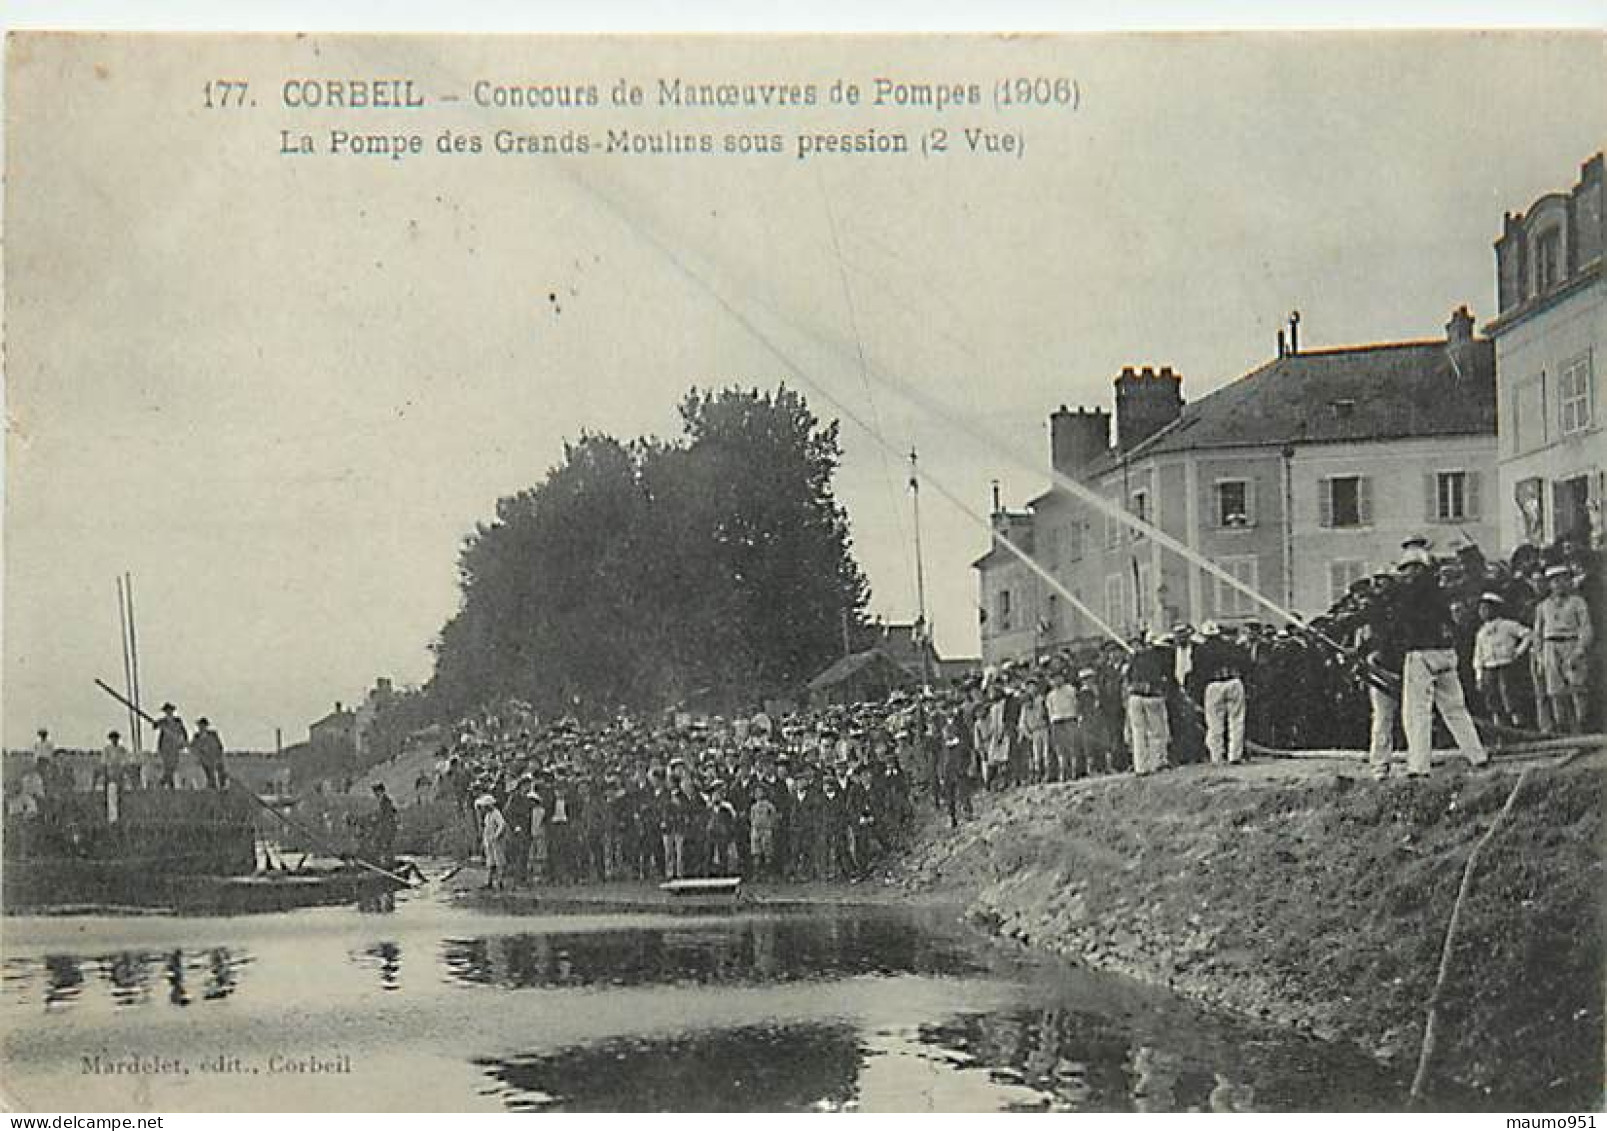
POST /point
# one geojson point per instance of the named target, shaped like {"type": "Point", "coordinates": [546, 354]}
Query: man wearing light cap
{"type": "Point", "coordinates": [1564, 632]}
{"type": "Point", "coordinates": [1064, 725]}
{"type": "Point", "coordinates": [1421, 621]}
{"type": "Point", "coordinates": [1497, 649]}
{"type": "Point", "coordinates": [1148, 733]}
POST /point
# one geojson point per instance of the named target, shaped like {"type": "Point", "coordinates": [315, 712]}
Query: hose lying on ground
{"type": "Point", "coordinates": [1425, 1054]}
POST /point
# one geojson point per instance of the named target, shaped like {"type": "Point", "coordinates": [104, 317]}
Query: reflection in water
{"type": "Point", "coordinates": [127, 974]}
{"type": "Point", "coordinates": [740, 952]}
{"type": "Point", "coordinates": [1052, 1059]}
{"type": "Point", "coordinates": [221, 976]}
{"type": "Point", "coordinates": [177, 994]}
{"type": "Point", "coordinates": [65, 979]}
{"type": "Point", "coordinates": [872, 1010]}
{"type": "Point", "coordinates": [386, 957]}
{"type": "Point", "coordinates": [800, 1067]}
{"type": "Point", "coordinates": [130, 976]}
{"type": "Point", "coordinates": [1084, 1061]}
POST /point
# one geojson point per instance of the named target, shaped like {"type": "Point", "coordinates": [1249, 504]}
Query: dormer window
{"type": "Point", "coordinates": [1547, 260]}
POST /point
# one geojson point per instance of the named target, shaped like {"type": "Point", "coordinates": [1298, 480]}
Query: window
{"type": "Point", "coordinates": [1345, 502]}
{"type": "Point", "coordinates": [1113, 530]}
{"type": "Point", "coordinates": [1452, 496]}
{"type": "Point", "coordinates": [1530, 497]}
{"type": "Point", "coordinates": [1004, 610]}
{"type": "Point", "coordinates": [1050, 620]}
{"type": "Point", "coordinates": [1529, 414]}
{"type": "Point", "coordinates": [1052, 550]}
{"type": "Point", "coordinates": [1115, 606]}
{"type": "Point", "coordinates": [1342, 574]}
{"type": "Point", "coordinates": [1138, 506]}
{"type": "Point", "coordinates": [1141, 594]}
{"type": "Point", "coordinates": [1570, 507]}
{"type": "Point", "coordinates": [1233, 503]}
{"type": "Point", "coordinates": [1230, 602]}
{"type": "Point", "coordinates": [1574, 396]}
{"type": "Point", "coordinates": [1548, 261]}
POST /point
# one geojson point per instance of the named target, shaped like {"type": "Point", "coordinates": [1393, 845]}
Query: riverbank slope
{"type": "Point", "coordinates": [1307, 895]}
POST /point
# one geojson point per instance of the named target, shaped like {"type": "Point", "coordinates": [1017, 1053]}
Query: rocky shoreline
{"type": "Point", "coordinates": [1306, 896]}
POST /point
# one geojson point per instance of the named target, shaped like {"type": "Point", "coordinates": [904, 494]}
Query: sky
{"type": "Point", "coordinates": [280, 390]}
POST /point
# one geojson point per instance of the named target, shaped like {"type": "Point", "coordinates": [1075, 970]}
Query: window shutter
{"type": "Point", "coordinates": [1431, 496]}
{"type": "Point", "coordinates": [1364, 500]}
{"type": "Point", "coordinates": [1249, 502]}
{"type": "Point", "coordinates": [1470, 495]}
{"type": "Point", "coordinates": [1325, 502]}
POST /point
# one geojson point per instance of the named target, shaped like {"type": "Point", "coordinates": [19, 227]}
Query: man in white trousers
{"type": "Point", "coordinates": [1421, 620]}
{"type": "Point", "coordinates": [1222, 663]}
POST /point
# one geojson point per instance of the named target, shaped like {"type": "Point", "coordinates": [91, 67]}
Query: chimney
{"type": "Point", "coordinates": [338, 707]}
{"type": "Point", "coordinates": [1459, 330]}
{"type": "Point", "coordinates": [1283, 347]}
{"type": "Point", "coordinates": [1146, 402]}
{"type": "Point", "coordinates": [1078, 438]}
{"type": "Point", "coordinates": [997, 505]}
{"type": "Point", "coordinates": [1294, 332]}
{"type": "Point", "coordinates": [1459, 342]}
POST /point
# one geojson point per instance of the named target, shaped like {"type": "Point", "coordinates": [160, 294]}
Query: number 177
{"type": "Point", "coordinates": [221, 94]}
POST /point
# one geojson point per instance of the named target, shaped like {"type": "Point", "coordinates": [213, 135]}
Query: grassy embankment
{"type": "Point", "coordinates": [1306, 895]}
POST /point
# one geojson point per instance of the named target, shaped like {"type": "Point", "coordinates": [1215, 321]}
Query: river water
{"type": "Point", "coordinates": [436, 1007]}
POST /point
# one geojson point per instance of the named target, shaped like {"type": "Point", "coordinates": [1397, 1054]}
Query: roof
{"type": "Point", "coordinates": [850, 666]}
{"type": "Point", "coordinates": [1393, 391]}
{"type": "Point", "coordinates": [1016, 528]}
{"type": "Point", "coordinates": [899, 643]}
{"type": "Point", "coordinates": [958, 668]}
{"type": "Point", "coordinates": [342, 718]}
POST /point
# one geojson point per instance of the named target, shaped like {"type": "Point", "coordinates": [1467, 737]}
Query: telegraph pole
{"type": "Point", "coordinates": [920, 570]}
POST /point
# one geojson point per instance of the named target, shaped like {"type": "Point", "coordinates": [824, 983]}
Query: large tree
{"type": "Point", "coordinates": [713, 570]}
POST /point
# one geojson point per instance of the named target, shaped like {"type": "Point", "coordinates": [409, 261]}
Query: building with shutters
{"type": "Point", "coordinates": [1551, 328]}
{"type": "Point", "coordinates": [1297, 478]}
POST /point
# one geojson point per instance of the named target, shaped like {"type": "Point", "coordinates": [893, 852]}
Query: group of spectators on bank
{"type": "Point", "coordinates": [679, 800]}
{"type": "Point", "coordinates": [823, 793]}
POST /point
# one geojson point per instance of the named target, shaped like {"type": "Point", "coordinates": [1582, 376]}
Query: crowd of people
{"type": "Point", "coordinates": [680, 800]}
{"type": "Point", "coordinates": [823, 793]}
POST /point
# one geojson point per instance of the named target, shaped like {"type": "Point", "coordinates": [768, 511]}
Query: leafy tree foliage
{"type": "Point", "coordinates": [712, 571]}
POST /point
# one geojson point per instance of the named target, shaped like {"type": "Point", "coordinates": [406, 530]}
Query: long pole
{"type": "Point", "coordinates": [133, 649]}
{"type": "Point", "coordinates": [128, 669]}
{"type": "Point", "coordinates": [920, 571]}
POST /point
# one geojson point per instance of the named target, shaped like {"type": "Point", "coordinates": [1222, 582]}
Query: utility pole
{"type": "Point", "coordinates": [920, 572]}
{"type": "Point", "coordinates": [133, 650]}
{"type": "Point", "coordinates": [128, 665]}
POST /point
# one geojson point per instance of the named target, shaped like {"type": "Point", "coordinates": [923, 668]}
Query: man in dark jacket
{"type": "Point", "coordinates": [1149, 681]}
{"type": "Point", "coordinates": [1220, 665]}
{"type": "Point", "coordinates": [382, 830]}
{"type": "Point", "coordinates": [208, 750]}
{"type": "Point", "coordinates": [171, 740]}
{"type": "Point", "coordinates": [1420, 620]}
{"type": "Point", "coordinates": [517, 812]}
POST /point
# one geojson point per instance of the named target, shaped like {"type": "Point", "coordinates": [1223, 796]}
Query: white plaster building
{"type": "Point", "coordinates": [1298, 478]}
{"type": "Point", "coordinates": [1549, 337]}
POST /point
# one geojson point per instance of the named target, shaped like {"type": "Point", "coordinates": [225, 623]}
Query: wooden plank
{"type": "Point", "coordinates": [714, 885]}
